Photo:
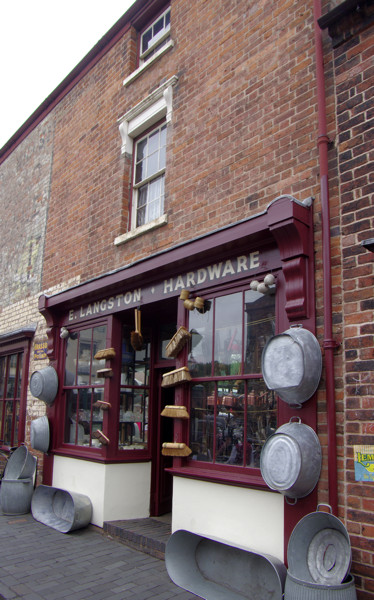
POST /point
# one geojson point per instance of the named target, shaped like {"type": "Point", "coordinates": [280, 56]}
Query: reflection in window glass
{"type": "Point", "coordinates": [10, 392]}
{"type": "Point", "coordinates": [83, 388]}
{"type": "Point", "coordinates": [232, 411]}
{"type": "Point", "coordinates": [134, 393]}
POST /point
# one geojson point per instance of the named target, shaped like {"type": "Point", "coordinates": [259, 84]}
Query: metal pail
{"type": "Point", "coordinates": [319, 549]}
{"type": "Point", "coordinates": [292, 364]}
{"type": "Point", "coordinates": [296, 589]}
{"type": "Point", "coordinates": [39, 434]}
{"type": "Point", "coordinates": [60, 509]}
{"type": "Point", "coordinates": [291, 460]}
{"type": "Point", "coordinates": [15, 496]}
{"type": "Point", "coordinates": [21, 464]}
{"type": "Point", "coordinates": [44, 384]}
{"type": "Point", "coordinates": [214, 570]}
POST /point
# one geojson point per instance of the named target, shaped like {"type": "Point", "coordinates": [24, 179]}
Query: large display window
{"type": "Point", "coordinates": [232, 411]}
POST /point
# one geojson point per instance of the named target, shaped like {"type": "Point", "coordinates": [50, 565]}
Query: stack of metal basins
{"type": "Point", "coordinates": [319, 560]}
{"type": "Point", "coordinates": [17, 485]}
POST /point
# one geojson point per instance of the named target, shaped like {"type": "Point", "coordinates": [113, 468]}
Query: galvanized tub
{"type": "Point", "coordinates": [21, 464]}
{"type": "Point", "coordinates": [62, 510]}
{"type": "Point", "coordinates": [296, 589]}
{"type": "Point", "coordinates": [44, 385]}
{"type": "Point", "coordinates": [291, 460]}
{"type": "Point", "coordinates": [292, 364]}
{"type": "Point", "coordinates": [319, 549]}
{"type": "Point", "coordinates": [15, 496]}
{"type": "Point", "coordinates": [217, 571]}
{"type": "Point", "coordinates": [39, 434]}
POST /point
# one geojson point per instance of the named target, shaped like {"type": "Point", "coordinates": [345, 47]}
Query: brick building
{"type": "Point", "coordinates": [198, 150]}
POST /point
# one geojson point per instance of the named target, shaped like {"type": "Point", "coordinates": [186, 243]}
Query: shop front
{"type": "Point", "coordinates": [115, 434]}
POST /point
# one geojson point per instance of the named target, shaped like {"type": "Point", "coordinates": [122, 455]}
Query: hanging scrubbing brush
{"type": "Point", "coordinates": [136, 336]}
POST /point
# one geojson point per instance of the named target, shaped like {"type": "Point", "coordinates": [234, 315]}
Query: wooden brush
{"type": "Point", "coordinates": [175, 449]}
{"type": "Point", "coordinates": [101, 404]}
{"type": "Point", "coordinates": [98, 435]}
{"type": "Point", "coordinates": [171, 378]}
{"type": "Point", "coordinates": [104, 372]}
{"type": "Point", "coordinates": [175, 412]}
{"type": "Point", "coordinates": [107, 353]}
{"type": "Point", "coordinates": [136, 336]}
{"type": "Point", "coordinates": [177, 342]}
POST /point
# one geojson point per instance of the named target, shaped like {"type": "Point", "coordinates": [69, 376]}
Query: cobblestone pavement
{"type": "Point", "coordinates": [40, 563]}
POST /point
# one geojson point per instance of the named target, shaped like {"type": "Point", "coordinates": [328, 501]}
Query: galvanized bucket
{"type": "Point", "coordinates": [62, 510]}
{"type": "Point", "coordinates": [216, 571]}
{"type": "Point", "coordinates": [291, 460]}
{"type": "Point", "coordinates": [21, 464]}
{"type": "Point", "coordinates": [15, 496]}
{"type": "Point", "coordinates": [44, 384]}
{"type": "Point", "coordinates": [319, 549]}
{"type": "Point", "coordinates": [295, 589]}
{"type": "Point", "coordinates": [39, 434]}
{"type": "Point", "coordinates": [292, 364]}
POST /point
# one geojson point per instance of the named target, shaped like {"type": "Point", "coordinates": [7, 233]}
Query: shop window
{"type": "Point", "coordinates": [11, 369]}
{"type": "Point", "coordinates": [134, 394]}
{"type": "Point", "coordinates": [83, 388]}
{"type": "Point", "coordinates": [232, 411]}
{"type": "Point", "coordinates": [155, 36]}
{"type": "Point", "coordinates": [149, 177]}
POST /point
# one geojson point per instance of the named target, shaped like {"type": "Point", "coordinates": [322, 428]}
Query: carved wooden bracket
{"type": "Point", "coordinates": [290, 222]}
{"type": "Point", "coordinates": [52, 330]}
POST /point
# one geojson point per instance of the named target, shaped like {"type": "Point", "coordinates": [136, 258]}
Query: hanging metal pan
{"type": "Point", "coordinates": [292, 364]}
{"type": "Point", "coordinates": [290, 460]}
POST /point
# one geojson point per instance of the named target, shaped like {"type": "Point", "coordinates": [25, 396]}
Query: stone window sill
{"type": "Point", "coordinates": [134, 233]}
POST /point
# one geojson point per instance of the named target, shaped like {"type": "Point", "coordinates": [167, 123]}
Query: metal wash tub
{"type": "Point", "coordinates": [216, 571]}
{"type": "Point", "coordinates": [60, 509]}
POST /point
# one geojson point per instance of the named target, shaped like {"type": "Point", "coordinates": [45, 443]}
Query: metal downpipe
{"type": "Point", "coordinates": [328, 342]}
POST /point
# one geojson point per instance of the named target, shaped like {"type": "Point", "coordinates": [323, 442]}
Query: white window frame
{"type": "Point", "coordinates": [156, 40]}
{"type": "Point", "coordinates": [150, 110]}
{"type": "Point", "coordinates": [137, 185]}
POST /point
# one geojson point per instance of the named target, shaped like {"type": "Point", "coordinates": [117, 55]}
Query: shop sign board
{"type": "Point", "coordinates": [230, 269]}
{"type": "Point", "coordinates": [40, 350]}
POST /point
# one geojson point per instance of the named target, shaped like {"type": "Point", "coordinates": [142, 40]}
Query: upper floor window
{"type": "Point", "coordinates": [155, 36]}
{"type": "Point", "coordinates": [149, 177]}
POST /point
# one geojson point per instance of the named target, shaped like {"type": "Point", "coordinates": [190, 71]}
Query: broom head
{"type": "Point", "coordinates": [177, 342]}
{"type": "Point", "coordinates": [175, 449]}
{"type": "Point", "coordinates": [175, 412]}
{"type": "Point", "coordinates": [175, 377]}
{"type": "Point", "coordinates": [107, 353]}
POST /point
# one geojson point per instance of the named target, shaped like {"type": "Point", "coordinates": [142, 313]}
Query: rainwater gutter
{"type": "Point", "coordinates": [328, 343]}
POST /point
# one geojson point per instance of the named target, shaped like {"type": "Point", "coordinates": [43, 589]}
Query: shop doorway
{"type": "Point", "coordinates": [162, 481]}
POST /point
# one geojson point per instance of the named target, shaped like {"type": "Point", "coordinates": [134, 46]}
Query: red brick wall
{"type": "Point", "coordinates": [354, 75]}
{"type": "Point", "coordinates": [243, 132]}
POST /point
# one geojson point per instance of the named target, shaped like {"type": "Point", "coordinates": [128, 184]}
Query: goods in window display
{"type": "Point", "coordinates": [175, 449]}
{"type": "Point", "coordinates": [102, 404]}
{"type": "Point", "coordinates": [136, 336]}
{"type": "Point", "coordinates": [104, 373]}
{"type": "Point", "coordinates": [99, 435]}
{"type": "Point", "coordinates": [175, 377]}
{"type": "Point", "coordinates": [106, 354]}
{"type": "Point", "coordinates": [177, 342]}
{"type": "Point", "coordinates": [292, 364]}
{"type": "Point", "coordinates": [175, 412]}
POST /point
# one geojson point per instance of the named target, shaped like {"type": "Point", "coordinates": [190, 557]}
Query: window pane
{"type": "Point", "coordinates": [8, 420]}
{"type": "Point", "coordinates": [166, 332]}
{"type": "Point", "coordinates": [20, 368]}
{"type": "Point", "coordinates": [133, 419]}
{"type": "Point", "coordinates": [84, 357]}
{"type": "Point", "coordinates": [259, 327]}
{"type": "Point", "coordinates": [228, 335]}
{"type": "Point", "coordinates": [261, 417]}
{"type": "Point", "coordinates": [158, 26]}
{"type": "Point", "coordinates": [99, 343]}
{"type": "Point", "coordinates": [71, 360]}
{"type": "Point", "coordinates": [146, 38]}
{"type": "Point", "coordinates": [200, 357]}
{"type": "Point", "coordinates": [12, 372]}
{"type": "Point", "coordinates": [16, 425]}
{"type": "Point", "coordinates": [202, 421]}
{"type": "Point", "coordinates": [2, 375]}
